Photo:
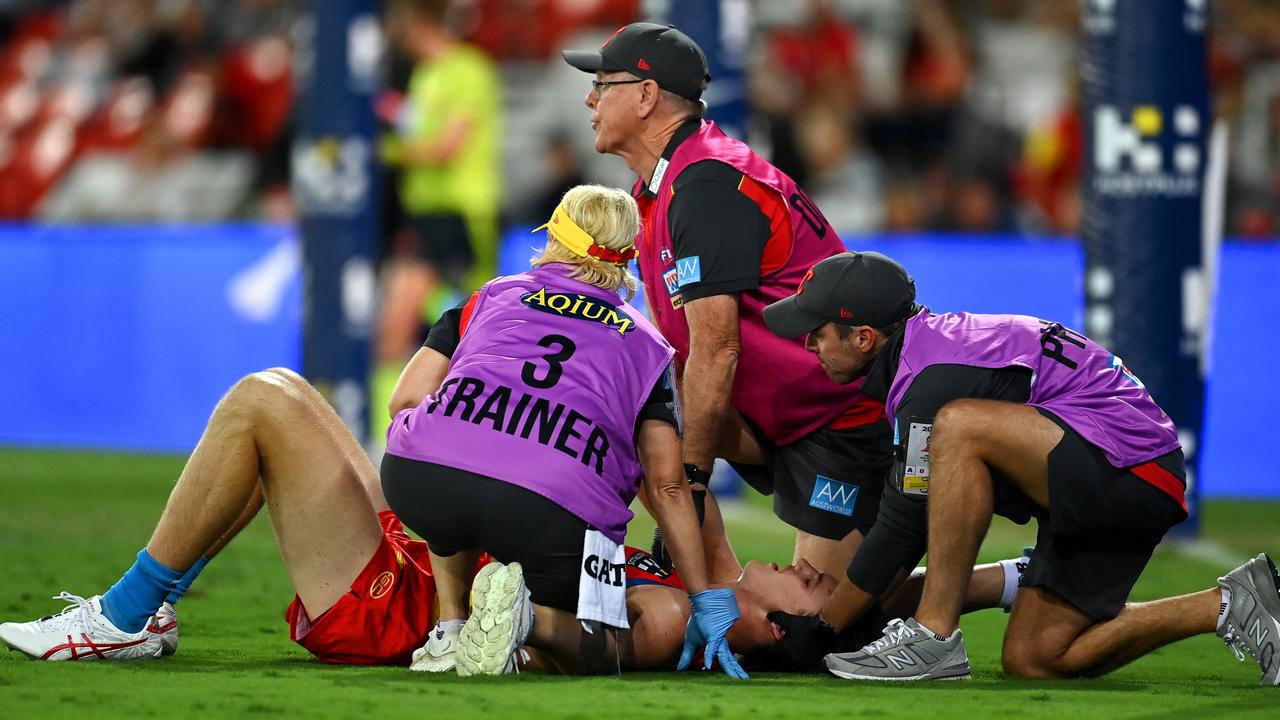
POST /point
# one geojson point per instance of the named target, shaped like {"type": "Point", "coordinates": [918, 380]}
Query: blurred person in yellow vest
{"type": "Point", "coordinates": [446, 147]}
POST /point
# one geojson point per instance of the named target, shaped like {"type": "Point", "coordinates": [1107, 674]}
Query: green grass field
{"type": "Point", "coordinates": [73, 521]}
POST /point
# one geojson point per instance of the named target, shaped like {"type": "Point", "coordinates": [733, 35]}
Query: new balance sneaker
{"type": "Point", "coordinates": [165, 624]}
{"type": "Point", "coordinates": [440, 652]}
{"type": "Point", "coordinates": [906, 652]}
{"type": "Point", "coordinates": [1252, 624]}
{"type": "Point", "coordinates": [501, 617]}
{"type": "Point", "coordinates": [79, 632]}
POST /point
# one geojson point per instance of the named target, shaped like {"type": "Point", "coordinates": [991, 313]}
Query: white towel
{"type": "Point", "coordinates": [602, 582]}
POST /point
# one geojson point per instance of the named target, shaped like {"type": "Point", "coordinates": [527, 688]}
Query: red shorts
{"type": "Point", "coordinates": [384, 617]}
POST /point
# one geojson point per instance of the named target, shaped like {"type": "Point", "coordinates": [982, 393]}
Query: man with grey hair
{"type": "Point", "coordinates": [725, 233]}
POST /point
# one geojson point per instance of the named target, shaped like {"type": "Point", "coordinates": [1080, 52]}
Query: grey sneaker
{"type": "Point", "coordinates": [906, 652]}
{"type": "Point", "coordinates": [1252, 625]}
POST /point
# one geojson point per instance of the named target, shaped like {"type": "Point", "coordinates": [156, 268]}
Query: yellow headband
{"type": "Point", "coordinates": [579, 242]}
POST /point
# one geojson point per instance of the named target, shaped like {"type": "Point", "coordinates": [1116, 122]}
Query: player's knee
{"type": "Point", "coordinates": [957, 417]}
{"type": "Point", "coordinates": [1020, 666]}
{"type": "Point", "coordinates": [285, 376]}
{"type": "Point", "coordinates": [261, 392]}
{"type": "Point", "coordinates": [1024, 662]}
{"type": "Point", "coordinates": [956, 429]}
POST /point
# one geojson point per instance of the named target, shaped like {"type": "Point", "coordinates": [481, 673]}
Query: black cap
{"type": "Point", "coordinates": [651, 52]}
{"type": "Point", "coordinates": [852, 288]}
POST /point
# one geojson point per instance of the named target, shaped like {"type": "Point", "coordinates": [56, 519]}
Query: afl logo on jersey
{"type": "Point", "coordinates": [381, 585]}
{"type": "Point", "coordinates": [644, 562]}
{"type": "Point", "coordinates": [580, 307]}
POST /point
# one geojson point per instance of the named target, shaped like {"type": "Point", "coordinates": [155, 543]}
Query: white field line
{"type": "Point", "coordinates": [1209, 551]}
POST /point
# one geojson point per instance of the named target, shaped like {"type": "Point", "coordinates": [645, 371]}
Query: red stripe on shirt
{"type": "Point", "coordinates": [777, 250]}
{"type": "Point", "coordinates": [467, 309]}
{"type": "Point", "coordinates": [864, 412]}
{"type": "Point", "coordinates": [1163, 480]}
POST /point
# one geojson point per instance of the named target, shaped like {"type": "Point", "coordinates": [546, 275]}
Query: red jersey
{"type": "Point", "coordinates": [642, 569]}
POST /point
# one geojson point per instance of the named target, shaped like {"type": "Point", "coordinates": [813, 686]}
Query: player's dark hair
{"type": "Point", "coordinates": [805, 640]}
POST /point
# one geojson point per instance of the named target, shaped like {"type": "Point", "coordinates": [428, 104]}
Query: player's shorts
{"type": "Point", "coordinates": [1102, 526]}
{"type": "Point", "coordinates": [384, 617]}
{"type": "Point", "coordinates": [457, 510]}
{"type": "Point", "coordinates": [444, 241]}
{"type": "Point", "coordinates": [827, 483]}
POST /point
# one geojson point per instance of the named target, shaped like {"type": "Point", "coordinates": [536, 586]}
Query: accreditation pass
{"type": "Point", "coordinates": [915, 475]}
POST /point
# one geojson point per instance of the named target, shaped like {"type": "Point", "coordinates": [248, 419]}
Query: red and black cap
{"type": "Point", "coordinates": [651, 52]}
{"type": "Point", "coordinates": [852, 288]}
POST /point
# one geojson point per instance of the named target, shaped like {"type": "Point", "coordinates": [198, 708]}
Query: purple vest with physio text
{"type": "Point", "coordinates": [777, 384]}
{"type": "Point", "coordinates": [543, 392]}
{"type": "Point", "coordinates": [1073, 377]}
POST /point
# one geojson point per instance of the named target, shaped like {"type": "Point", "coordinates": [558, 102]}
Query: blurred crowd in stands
{"type": "Point", "coordinates": [895, 115]}
{"type": "Point", "coordinates": [144, 109]}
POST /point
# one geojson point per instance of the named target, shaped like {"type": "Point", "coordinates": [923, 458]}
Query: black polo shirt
{"type": "Point", "coordinates": [712, 200]}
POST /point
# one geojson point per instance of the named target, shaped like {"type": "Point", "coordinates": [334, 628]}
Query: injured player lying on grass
{"type": "Point", "coordinates": [779, 630]}
{"type": "Point", "coordinates": [365, 594]}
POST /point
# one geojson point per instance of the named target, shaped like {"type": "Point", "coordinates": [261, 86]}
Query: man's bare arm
{"type": "Point", "coordinates": [707, 381]}
{"type": "Point", "coordinates": [421, 377]}
{"type": "Point", "coordinates": [669, 500]}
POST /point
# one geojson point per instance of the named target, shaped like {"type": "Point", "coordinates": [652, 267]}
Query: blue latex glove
{"type": "Point", "coordinates": [713, 613]}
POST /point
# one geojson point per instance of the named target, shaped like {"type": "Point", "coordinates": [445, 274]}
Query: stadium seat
{"type": "Point", "coordinates": [187, 113]}
{"type": "Point", "coordinates": [256, 93]}
{"type": "Point", "coordinates": [119, 123]}
{"type": "Point", "coordinates": [44, 152]}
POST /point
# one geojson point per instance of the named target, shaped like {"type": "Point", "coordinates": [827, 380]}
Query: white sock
{"type": "Point", "coordinates": [934, 634]}
{"type": "Point", "coordinates": [1012, 574]}
{"type": "Point", "coordinates": [1226, 605]}
{"type": "Point", "coordinates": [446, 624]}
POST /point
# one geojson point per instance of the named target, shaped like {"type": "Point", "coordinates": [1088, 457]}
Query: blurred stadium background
{"type": "Point", "coordinates": [172, 170]}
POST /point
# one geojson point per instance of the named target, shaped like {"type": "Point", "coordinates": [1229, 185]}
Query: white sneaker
{"type": "Point", "coordinates": [501, 617]}
{"type": "Point", "coordinates": [439, 654]}
{"type": "Point", "coordinates": [165, 624]}
{"type": "Point", "coordinates": [79, 632]}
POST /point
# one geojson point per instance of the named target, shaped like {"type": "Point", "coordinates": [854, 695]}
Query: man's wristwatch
{"type": "Point", "coordinates": [696, 475]}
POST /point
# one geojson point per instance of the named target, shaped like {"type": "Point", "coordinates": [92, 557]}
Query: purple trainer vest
{"type": "Point", "coordinates": [1073, 377]}
{"type": "Point", "coordinates": [543, 392]}
{"type": "Point", "coordinates": [778, 384]}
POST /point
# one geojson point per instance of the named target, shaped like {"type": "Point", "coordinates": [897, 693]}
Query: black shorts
{"type": "Point", "coordinates": [1102, 525]}
{"type": "Point", "coordinates": [444, 241]}
{"type": "Point", "coordinates": [457, 510]}
{"type": "Point", "coordinates": [827, 483]}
